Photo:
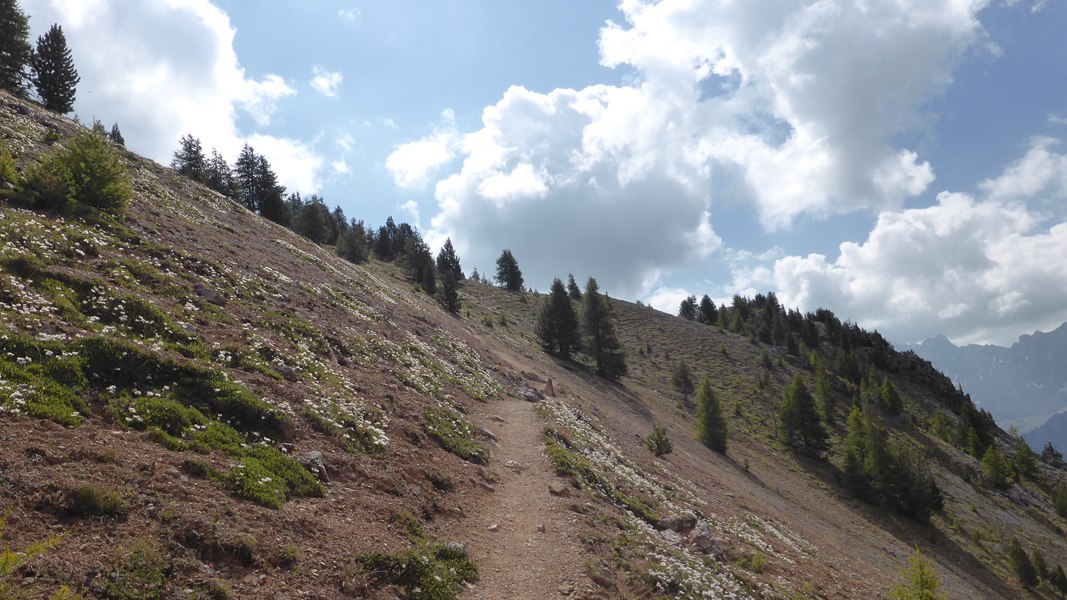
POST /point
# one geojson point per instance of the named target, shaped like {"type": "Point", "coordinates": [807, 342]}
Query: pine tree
{"type": "Point", "coordinates": [15, 48]}
{"type": "Point", "coordinates": [428, 280]}
{"type": "Point", "coordinates": [682, 379]}
{"type": "Point", "coordinates": [572, 288]}
{"type": "Point", "coordinates": [800, 419]}
{"type": "Point", "coordinates": [557, 324]}
{"type": "Point", "coordinates": [598, 326]}
{"type": "Point", "coordinates": [271, 195]}
{"type": "Point", "coordinates": [709, 315]}
{"type": "Point", "coordinates": [448, 261]}
{"type": "Point", "coordinates": [508, 275]}
{"type": "Point", "coordinates": [891, 396]}
{"type": "Point", "coordinates": [53, 73]}
{"type": "Point", "coordinates": [115, 135]}
{"type": "Point", "coordinates": [1020, 563]}
{"type": "Point", "coordinates": [352, 243]}
{"type": "Point", "coordinates": [995, 468]}
{"type": "Point", "coordinates": [1058, 579]}
{"type": "Point", "coordinates": [824, 397]}
{"type": "Point", "coordinates": [218, 175]}
{"type": "Point", "coordinates": [687, 309]}
{"type": "Point", "coordinates": [1024, 460]}
{"type": "Point", "coordinates": [448, 292]}
{"type": "Point", "coordinates": [923, 583]}
{"type": "Point", "coordinates": [247, 184]}
{"type": "Point", "coordinates": [711, 425]}
{"type": "Point", "coordinates": [189, 159]}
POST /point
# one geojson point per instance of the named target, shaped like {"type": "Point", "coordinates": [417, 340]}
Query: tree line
{"type": "Point", "coordinates": [560, 330]}
{"type": "Point", "coordinates": [48, 67]}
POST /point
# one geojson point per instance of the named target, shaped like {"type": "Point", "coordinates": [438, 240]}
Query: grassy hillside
{"type": "Point", "coordinates": [197, 403]}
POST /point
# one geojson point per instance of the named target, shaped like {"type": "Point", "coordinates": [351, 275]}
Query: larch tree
{"type": "Point", "coordinates": [15, 48]}
{"type": "Point", "coordinates": [508, 274]}
{"type": "Point", "coordinates": [922, 582]}
{"type": "Point", "coordinates": [598, 327]}
{"type": "Point", "coordinates": [52, 71]}
{"type": "Point", "coordinates": [682, 379]}
{"type": "Point", "coordinates": [711, 424]}
{"type": "Point", "coordinates": [189, 159]}
{"type": "Point", "coordinates": [557, 324]}
{"type": "Point", "coordinates": [271, 199]}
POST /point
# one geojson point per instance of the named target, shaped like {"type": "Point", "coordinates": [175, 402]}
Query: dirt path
{"type": "Point", "coordinates": [525, 540]}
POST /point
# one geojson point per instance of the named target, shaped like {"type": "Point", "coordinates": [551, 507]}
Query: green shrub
{"type": "Point", "coordinates": [251, 480]}
{"type": "Point", "coordinates": [89, 499]}
{"type": "Point", "coordinates": [97, 172]}
{"type": "Point", "coordinates": [138, 573]}
{"type": "Point", "coordinates": [429, 572]}
{"type": "Point", "coordinates": [454, 434]}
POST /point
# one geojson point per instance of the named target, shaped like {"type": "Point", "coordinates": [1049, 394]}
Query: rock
{"type": "Point", "coordinates": [498, 419]}
{"type": "Point", "coordinates": [556, 488]}
{"type": "Point", "coordinates": [677, 523]}
{"type": "Point", "coordinates": [487, 433]}
{"type": "Point", "coordinates": [533, 377]}
{"type": "Point", "coordinates": [672, 537]}
{"type": "Point", "coordinates": [529, 394]}
{"type": "Point", "coordinates": [494, 527]}
{"type": "Point", "coordinates": [550, 389]}
{"type": "Point", "coordinates": [487, 486]}
{"type": "Point", "coordinates": [517, 466]}
{"type": "Point", "coordinates": [541, 528]}
{"type": "Point", "coordinates": [314, 461]}
{"type": "Point", "coordinates": [1016, 496]}
{"type": "Point", "coordinates": [173, 472]}
{"type": "Point", "coordinates": [487, 475]}
{"type": "Point", "coordinates": [211, 295]}
{"type": "Point", "coordinates": [707, 543]}
{"type": "Point", "coordinates": [458, 548]}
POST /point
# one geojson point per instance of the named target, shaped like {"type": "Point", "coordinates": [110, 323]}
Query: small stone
{"type": "Point", "coordinates": [211, 295]}
{"type": "Point", "coordinates": [487, 433]}
{"type": "Point", "coordinates": [541, 528]}
{"type": "Point", "coordinates": [173, 472]}
{"type": "Point", "coordinates": [550, 389]}
{"type": "Point", "coordinates": [511, 464]}
{"type": "Point", "coordinates": [497, 418]}
{"type": "Point", "coordinates": [314, 461]}
{"type": "Point", "coordinates": [494, 527]}
{"type": "Point", "coordinates": [677, 523]}
{"type": "Point", "coordinates": [458, 548]}
{"type": "Point", "coordinates": [557, 488]}
{"type": "Point", "coordinates": [487, 486]}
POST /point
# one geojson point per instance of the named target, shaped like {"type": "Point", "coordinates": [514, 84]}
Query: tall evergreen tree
{"type": "Point", "coordinates": [557, 324]}
{"type": "Point", "coordinates": [218, 175]}
{"type": "Point", "coordinates": [995, 469]}
{"type": "Point", "coordinates": [687, 309]}
{"type": "Point", "coordinates": [682, 379]}
{"type": "Point", "coordinates": [244, 172]}
{"type": "Point", "coordinates": [352, 245]}
{"type": "Point", "coordinates": [448, 292]}
{"type": "Point", "coordinates": [508, 274]}
{"type": "Point", "coordinates": [448, 261]}
{"type": "Point", "coordinates": [598, 326]}
{"type": "Point", "coordinates": [709, 315]}
{"type": "Point", "coordinates": [270, 194]}
{"type": "Point", "coordinates": [824, 397]}
{"type": "Point", "coordinates": [711, 425]}
{"type": "Point", "coordinates": [572, 288]}
{"type": "Point", "coordinates": [115, 135]}
{"type": "Point", "coordinates": [1020, 563]}
{"type": "Point", "coordinates": [52, 71]}
{"type": "Point", "coordinates": [800, 419]}
{"type": "Point", "coordinates": [189, 160]}
{"type": "Point", "coordinates": [15, 48]}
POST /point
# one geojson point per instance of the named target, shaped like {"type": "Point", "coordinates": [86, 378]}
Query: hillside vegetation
{"type": "Point", "coordinates": [196, 402]}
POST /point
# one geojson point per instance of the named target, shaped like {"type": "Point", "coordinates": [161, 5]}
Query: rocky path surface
{"type": "Point", "coordinates": [524, 540]}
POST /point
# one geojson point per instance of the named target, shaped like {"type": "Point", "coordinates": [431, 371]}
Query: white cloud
{"type": "Point", "coordinates": [412, 164]}
{"type": "Point", "coordinates": [164, 69]}
{"type": "Point", "coordinates": [799, 102]}
{"type": "Point", "coordinates": [975, 269]}
{"type": "Point", "coordinates": [297, 164]}
{"type": "Point", "coordinates": [340, 167]}
{"type": "Point", "coordinates": [350, 15]}
{"type": "Point", "coordinates": [326, 82]}
{"type": "Point", "coordinates": [667, 299]}
{"type": "Point", "coordinates": [412, 208]}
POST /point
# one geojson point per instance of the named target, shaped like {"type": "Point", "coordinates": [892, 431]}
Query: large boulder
{"type": "Point", "coordinates": [315, 462]}
{"type": "Point", "coordinates": [677, 523]}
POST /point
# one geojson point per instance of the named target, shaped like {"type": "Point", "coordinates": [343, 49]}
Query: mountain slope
{"type": "Point", "coordinates": [213, 345]}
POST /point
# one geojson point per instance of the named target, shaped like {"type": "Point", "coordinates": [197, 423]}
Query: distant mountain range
{"type": "Point", "coordinates": [1024, 385]}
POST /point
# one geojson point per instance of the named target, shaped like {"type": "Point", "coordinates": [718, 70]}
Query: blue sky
{"type": "Point", "coordinates": [901, 163]}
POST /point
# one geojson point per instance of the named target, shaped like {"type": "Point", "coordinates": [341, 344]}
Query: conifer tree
{"type": "Point", "coordinates": [15, 48]}
{"type": "Point", "coordinates": [271, 195]}
{"type": "Point", "coordinates": [995, 468]}
{"type": "Point", "coordinates": [218, 175]}
{"type": "Point", "coordinates": [601, 342]}
{"type": "Point", "coordinates": [1058, 579]}
{"type": "Point", "coordinates": [687, 309]}
{"type": "Point", "coordinates": [1024, 460]}
{"type": "Point", "coordinates": [572, 288]}
{"type": "Point", "coordinates": [189, 160]}
{"type": "Point", "coordinates": [53, 73]}
{"type": "Point", "coordinates": [352, 243]}
{"type": "Point", "coordinates": [923, 583]}
{"type": "Point", "coordinates": [709, 315]}
{"type": "Point", "coordinates": [115, 135]}
{"type": "Point", "coordinates": [448, 292]}
{"type": "Point", "coordinates": [508, 274]}
{"type": "Point", "coordinates": [1020, 563]}
{"type": "Point", "coordinates": [448, 261]}
{"type": "Point", "coordinates": [557, 324]}
{"type": "Point", "coordinates": [800, 419]}
{"type": "Point", "coordinates": [824, 397]}
{"type": "Point", "coordinates": [244, 172]}
{"type": "Point", "coordinates": [682, 379]}
{"type": "Point", "coordinates": [711, 425]}
{"type": "Point", "coordinates": [428, 281]}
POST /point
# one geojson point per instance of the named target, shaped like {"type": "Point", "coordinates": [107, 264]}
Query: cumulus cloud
{"type": "Point", "coordinates": [802, 102]}
{"type": "Point", "coordinates": [976, 269]}
{"type": "Point", "coordinates": [164, 69]}
{"type": "Point", "coordinates": [326, 82]}
{"type": "Point", "coordinates": [412, 164]}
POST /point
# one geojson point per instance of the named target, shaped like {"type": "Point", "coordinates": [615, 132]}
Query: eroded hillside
{"type": "Point", "coordinates": [199, 403]}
